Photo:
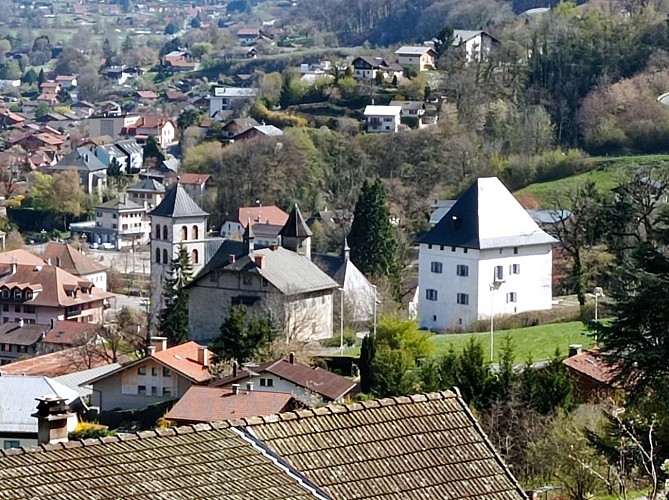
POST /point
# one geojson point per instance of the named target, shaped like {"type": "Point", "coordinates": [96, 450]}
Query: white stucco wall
{"type": "Point", "coordinates": [532, 284]}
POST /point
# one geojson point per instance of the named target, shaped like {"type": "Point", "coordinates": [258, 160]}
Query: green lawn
{"type": "Point", "coordinates": [537, 342]}
{"type": "Point", "coordinates": [609, 172]}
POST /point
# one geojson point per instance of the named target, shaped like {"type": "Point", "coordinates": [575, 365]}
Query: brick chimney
{"type": "Point", "coordinates": [52, 414]}
{"type": "Point", "coordinates": [260, 261]}
{"type": "Point", "coordinates": [160, 343]}
{"type": "Point", "coordinates": [291, 358]}
{"type": "Point", "coordinates": [231, 258]}
{"type": "Point", "coordinates": [575, 349]}
{"type": "Point", "coordinates": [203, 355]}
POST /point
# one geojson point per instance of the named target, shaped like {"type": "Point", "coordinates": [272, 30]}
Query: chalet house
{"type": "Point", "coordinates": [248, 36]}
{"type": "Point", "coordinates": [485, 256]}
{"type": "Point", "coordinates": [475, 44]}
{"type": "Point", "coordinates": [281, 279]}
{"type": "Point", "coordinates": [67, 82]}
{"type": "Point", "coordinates": [118, 75]}
{"type": "Point", "coordinates": [9, 118]}
{"type": "Point", "coordinates": [367, 67]}
{"type": "Point", "coordinates": [163, 375]}
{"type": "Point", "coordinates": [195, 184]}
{"type": "Point", "coordinates": [411, 111]}
{"type": "Point", "coordinates": [421, 58]}
{"type": "Point", "coordinates": [304, 454]}
{"type": "Point", "coordinates": [259, 131]}
{"type": "Point", "coordinates": [383, 118]}
{"type": "Point", "coordinates": [18, 395]}
{"type": "Point", "coordinates": [179, 61]}
{"type": "Point", "coordinates": [158, 126]}
{"type": "Point", "coordinates": [43, 293]}
{"type": "Point", "coordinates": [203, 404]}
{"type": "Point", "coordinates": [69, 259]}
{"type": "Point", "coordinates": [146, 96]}
{"type": "Point", "coordinates": [121, 222]}
{"type": "Point", "coordinates": [147, 192]}
{"type": "Point", "coordinates": [50, 87]}
{"type": "Point", "coordinates": [237, 126]}
{"type": "Point", "coordinates": [311, 386]}
{"type": "Point", "coordinates": [594, 374]}
{"type": "Point", "coordinates": [19, 340]}
{"type": "Point", "coordinates": [235, 226]}
{"type": "Point", "coordinates": [230, 98]}
{"type": "Point", "coordinates": [84, 108]}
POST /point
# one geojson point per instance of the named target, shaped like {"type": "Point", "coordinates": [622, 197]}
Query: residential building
{"type": "Point", "coordinates": [18, 395]}
{"type": "Point", "coordinates": [383, 118]}
{"type": "Point", "coordinates": [367, 67]}
{"type": "Point", "coordinates": [118, 75]}
{"type": "Point", "coordinates": [147, 192]}
{"type": "Point", "coordinates": [176, 222]}
{"type": "Point", "coordinates": [163, 375]}
{"type": "Point", "coordinates": [422, 58]}
{"type": "Point", "coordinates": [92, 172]}
{"type": "Point", "coordinates": [476, 44]}
{"type": "Point", "coordinates": [595, 374]}
{"type": "Point", "coordinates": [120, 222]}
{"type": "Point", "coordinates": [134, 153]}
{"type": "Point", "coordinates": [84, 108]}
{"type": "Point", "coordinates": [73, 261]}
{"type": "Point", "coordinates": [110, 124]}
{"type": "Point", "coordinates": [305, 454]}
{"type": "Point", "coordinates": [195, 184]}
{"type": "Point", "coordinates": [259, 131]}
{"type": "Point", "coordinates": [230, 98]}
{"type": "Point", "coordinates": [236, 126]}
{"type": "Point", "coordinates": [311, 386]}
{"type": "Point", "coordinates": [20, 257]}
{"type": "Point", "coordinates": [19, 340]}
{"type": "Point", "coordinates": [203, 404]}
{"type": "Point", "coordinates": [248, 36]}
{"type": "Point", "coordinates": [485, 256]}
{"type": "Point", "coordinates": [158, 126]}
{"type": "Point", "coordinates": [282, 279]}
{"type": "Point", "coordinates": [236, 225]}
{"type": "Point", "coordinates": [67, 82]}
{"type": "Point", "coordinates": [44, 294]}
{"type": "Point", "coordinates": [412, 111]}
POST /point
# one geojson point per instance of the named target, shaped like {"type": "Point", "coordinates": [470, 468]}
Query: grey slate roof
{"type": "Point", "coordinates": [119, 204]}
{"type": "Point", "coordinates": [486, 216]}
{"type": "Point", "coordinates": [80, 159]}
{"type": "Point", "coordinates": [295, 225]}
{"type": "Point", "coordinates": [26, 335]}
{"type": "Point", "coordinates": [177, 203]}
{"type": "Point", "coordinates": [147, 185]}
{"type": "Point", "coordinates": [17, 403]}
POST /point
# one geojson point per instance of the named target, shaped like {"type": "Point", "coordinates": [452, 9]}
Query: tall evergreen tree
{"type": "Point", "coordinates": [174, 316]}
{"type": "Point", "coordinates": [372, 239]}
{"type": "Point", "coordinates": [41, 78]}
{"type": "Point", "coordinates": [367, 353]}
{"type": "Point", "coordinates": [153, 150]}
{"type": "Point", "coordinates": [128, 44]}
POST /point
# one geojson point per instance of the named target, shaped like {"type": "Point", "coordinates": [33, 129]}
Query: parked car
{"type": "Point", "coordinates": [108, 246]}
{"type": "Point", "coordinates": [94, 246]}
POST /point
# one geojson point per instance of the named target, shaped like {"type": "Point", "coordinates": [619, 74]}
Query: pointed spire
{"type": "Point", "coordinates": [346, 253]}
{"type": "Point", "coordinates": [295, 226]}
{"type": "Point", "coordinates": [248, 238]}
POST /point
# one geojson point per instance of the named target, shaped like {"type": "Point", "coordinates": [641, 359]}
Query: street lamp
{"type": "Point", "coordinates": [598, 292]}
{"type": "Point", "coordinates": [341, 321]}
{"type": "Point", "coordinates": [375, 300]}
{"type": "Point", "coordinates": [494, 286]}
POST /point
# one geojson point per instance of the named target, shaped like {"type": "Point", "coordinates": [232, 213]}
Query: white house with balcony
{"type": "Point", "coordinates": [121, 222]}
{"type": "Point", "coordinates": [383, 118]}
{"type": "Point", "coordinates": [485, 256]}
{"type": "Point", "coordinates": [476, 44]}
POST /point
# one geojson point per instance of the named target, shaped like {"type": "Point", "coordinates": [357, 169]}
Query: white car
{"type": "Point", "coordinates": [94, 246]}
{"type": "Point", "coordinates": [108, 246]}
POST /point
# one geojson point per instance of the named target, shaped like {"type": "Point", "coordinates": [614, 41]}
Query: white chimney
{"type": "Point", "coordinates": [20, 322]}
{"type": "Point", "coordinates": [575, 349]}
{"type": "Point", "coordinates": [160, 343]}
{"type": "Point", "coordinates": [203, 355]}
{"type": "Point", "coordinates": [235, 389]}
{"type": "Point", "coordinates": [249, 386]}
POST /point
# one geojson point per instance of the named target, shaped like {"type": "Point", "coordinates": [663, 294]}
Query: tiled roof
{"type": "Point", "coordinates": [120, 204]}
{"type": "Point", "coordinates": [271, 214]}
{"type": "Point", "coordinates": [287, 271]}
{"type": "Point", "coordinates": [70, 332]}
{"type": "Point", "coordinates": [147, 184]}
{"type": "Point", "coordinates": [193, 178]}
{"type": "Point", "coordinates": [201, 462]}
{"type": "Point", "coordinates": [316, 380]}
{"type": "Point", "coordinates": [426, 446]}
{"type": "Point", "coordinates": [60, 363]}
{"type": "Point", "coordinates": [415, 50]}
{"type": "Point", "coordinates": [487, 216]}
{"type": "Point", "coordinates": [177, 203]}
{"type": "Point", "coordinates": [70, 259]}
{"type": "Point", "coordinates": [211, 404]}
{"type": "Point", "coordinates": [295, 225]}
{"type": "Point", "coordinates": [20, 256]}
{"type": "Point", "coordinates": [26, 335]}
{"type": "Point", "coordinates": [593, 364]}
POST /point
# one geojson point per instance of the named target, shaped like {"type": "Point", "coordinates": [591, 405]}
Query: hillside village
{"type": "Point", "coordinates": [295, 249]}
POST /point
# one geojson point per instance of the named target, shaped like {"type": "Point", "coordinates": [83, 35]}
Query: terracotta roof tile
{"type": "Point", "coordinates": [269, 214]}
{"type": "Point", "coordinates": [593, 364]}
{"type": "Point", "coordinates": [70, 333]}
{"type": "Point", "coordinates": [183, 359]}
{"type": "Point", "coordinates": [193, 178]}
{"type": "Point", "coordinates": [70, 259]}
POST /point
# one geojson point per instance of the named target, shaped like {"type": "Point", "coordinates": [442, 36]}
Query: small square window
{"type": "Point", "coordinates": [5, 307]}
{"type": "Point", "coordinates": [429, 246]}
{"type": "Point", "coordinates": [434, 318]}
{"type": "Point", "coordinates": [265, 282]}
{"type": "Point", "coordinates": [154, 390]}
{"type": "Point", "coordinates": [511, 297]}
{"type": "Point", "coordinates": [141, 390]}
{"type": "Point", "coordinates": [452, 249]}
{"type": "Point", "coordinates": [167, 372]}
{"type": "Point", "coordinates": [154, 372]}
{"type": "Point", "coordinates": [515, 250]}
{"type": "Point", "coordinates": [462, 270]}
{"type": "Point", "coordinates": [10, 443]}
{"type": "Point", "coordinates": [263, 382]}
{"type": "Point", "coordinates": [141, 370]}
{"type": "Point", "coordinates": [430, 294]}
{"type": "Point", "coordinates": [499, 273]}
{"type": "Point", "coordinates": [270, 382]}
{"type": "Point", "coordinates": [247, 279]}
{"type": "Point", "coordinates": [17, 309]}
{"type": "Point", "coordinates": [436, 267]}
{"type": "Point", "coordinates": [167, 391]}
{"type": "Point", "coordinates": [514, 269]}
{"type": "Point", "coordinates": [464, 250]}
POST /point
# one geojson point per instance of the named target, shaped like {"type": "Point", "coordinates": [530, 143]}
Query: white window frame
{"type": "Point", "coordinates": [462, 270]}
{"type": "Point", "coordinates": [511, 297]}
{"type": "Point", "coordinates": [462, 299]}
{"type": "Point", "coordinates": [436, 267]}
{"type": "Point", "coordinates": [431, 294]}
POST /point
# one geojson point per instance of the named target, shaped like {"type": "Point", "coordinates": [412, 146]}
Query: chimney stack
{"type": "Point", "coordinates": [203, 355]}
{"type": "Point", "coordinates": [575, 349]}
{"type": "Point", "coordinates": [235, 389]}
{"type": "Point", "coordinates": [52, 414]}
{"type": "Point", "coordinates": [160, 343]}
{"type": "Point", "coordinates": [231, 258]}
{"type": "Point", "coordinates": [249, 386]}
{"type": "Point", "coordinates": [234, 368]}
{"type": "Point", "coordinates": [151, 350]}
{"type": "Point", "coordinates": [20, 322]}
{"type": "Point", "coordinates": [260, 261]}
{"type": "Point", "coordinates": [291, 358]}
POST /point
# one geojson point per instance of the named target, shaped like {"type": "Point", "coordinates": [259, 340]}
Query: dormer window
{"type": "Point", "coordinates": [17, 294]}
{"type": "Point", "coordinates": [28, 294]}
{"type": "Point", "coordinates": [5, 293]}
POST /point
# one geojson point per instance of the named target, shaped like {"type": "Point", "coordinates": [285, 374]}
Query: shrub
{"type": "Point", "coordinates": [88, 430]}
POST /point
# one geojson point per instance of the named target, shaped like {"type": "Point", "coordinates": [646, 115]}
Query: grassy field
{"type": "Point", "coordinates": [609, 172]}
{"type": "Point", "coordinates": [535, 342]}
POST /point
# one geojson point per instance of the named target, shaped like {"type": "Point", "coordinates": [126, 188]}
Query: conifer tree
{"type": "Point", "coordinates": [41, 78]}
{"type": "Point", "coordinates": [174, 316]}
{"type": "Point", "coordinates": [372, 239]}
{"type": "Point", "coordinates": [243, 335]}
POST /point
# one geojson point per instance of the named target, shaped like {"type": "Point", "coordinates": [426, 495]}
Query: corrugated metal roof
{"type": "Point", "coordinates": [147, 184]}
{"type": "Point", "coordinates": [17, 400]}
{"type": "Point", "coordinates": [177, 203]}
{"type": "Point", "coordinates": [74, 380]}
